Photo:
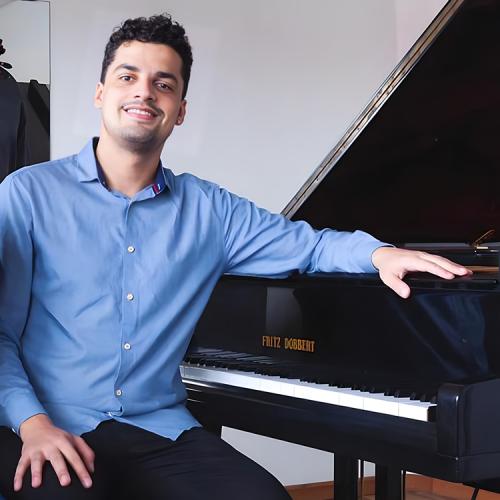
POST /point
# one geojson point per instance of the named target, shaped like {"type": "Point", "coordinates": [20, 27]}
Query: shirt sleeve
{"type": "Point", "coordinates": [18, 400]}
{"type": "Point", "coordinates": [261, 243]}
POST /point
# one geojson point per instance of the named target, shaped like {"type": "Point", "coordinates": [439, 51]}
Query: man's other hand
{"type": "Point", "coordinates": [42, 442]}
{"type": "Point", "coordinates": [394, 264]}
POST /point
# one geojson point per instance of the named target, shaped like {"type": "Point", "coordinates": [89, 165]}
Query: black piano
{"type": "Point", "coordinates": [339, 362]}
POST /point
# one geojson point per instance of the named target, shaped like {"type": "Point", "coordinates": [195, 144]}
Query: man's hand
{"type": "Point", "coordinates": [43, 441]}
{"type": "Point", "coordinates": [394, 264]}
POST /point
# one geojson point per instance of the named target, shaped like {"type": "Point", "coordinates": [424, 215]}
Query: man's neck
{"type": "Point", "coordinates": [125, 171]}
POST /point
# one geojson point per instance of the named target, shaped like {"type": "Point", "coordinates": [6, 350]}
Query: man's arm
{"type": "Point", "coordinates": [260, 243]}
{"type": "Point", "coordinates": [22, 410]}
{"type": "Point", "coordinates": [17, 396]}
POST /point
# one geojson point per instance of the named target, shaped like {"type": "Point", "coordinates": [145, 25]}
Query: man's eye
{"type": "Point", "coordinates": [126, 78]}
{"type": "Point", "coordinates": [163, 86]}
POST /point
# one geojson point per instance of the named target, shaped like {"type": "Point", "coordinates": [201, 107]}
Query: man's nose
{"type": "Point", "coordinates": [144, 90]}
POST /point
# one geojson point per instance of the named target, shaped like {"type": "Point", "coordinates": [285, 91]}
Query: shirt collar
{"type": "Point", "coordinates": [90, 170]}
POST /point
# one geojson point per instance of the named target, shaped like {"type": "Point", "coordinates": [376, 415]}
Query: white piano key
{"type": "Point", "coordinates": [317, 392]}
{"type": "Point", "coordinates": [351, 399]}
{"type": "Point", "coordinates": [381, 404]}
{"type": "Point", "coordinates": [416, 410]}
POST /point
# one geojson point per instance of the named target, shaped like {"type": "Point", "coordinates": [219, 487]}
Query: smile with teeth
{"type": "Point", "coordinates": [140, 112]}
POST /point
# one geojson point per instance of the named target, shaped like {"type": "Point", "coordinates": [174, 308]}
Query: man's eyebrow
{"type": "Point", "coordinates": [167, 75]}
{"type": "Point", "coordinates": [135, 69]}
{"type": "Point", "coordinates": [128, 67]}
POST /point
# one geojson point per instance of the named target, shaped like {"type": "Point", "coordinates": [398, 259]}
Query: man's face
{"type": "Point", "coordinates": [141, 97]}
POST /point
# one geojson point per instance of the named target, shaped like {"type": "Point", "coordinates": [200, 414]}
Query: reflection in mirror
{"type": "Point", "coordinates": [24, 84]}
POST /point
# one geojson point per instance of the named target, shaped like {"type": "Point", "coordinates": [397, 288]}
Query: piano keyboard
{"type": "Point", "coordinates": [324, 393]}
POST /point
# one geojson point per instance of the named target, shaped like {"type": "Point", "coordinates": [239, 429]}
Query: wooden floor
{"type": "Point", "coordinates": [420, 495]}
{"type": "Point", "coordinates": [417, 488]}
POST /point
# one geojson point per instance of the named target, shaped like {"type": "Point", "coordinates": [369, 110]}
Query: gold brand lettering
{"type": "Point", "coordinates": [272, 342]}
{"type": "Point", "coordinates": [304, 345]}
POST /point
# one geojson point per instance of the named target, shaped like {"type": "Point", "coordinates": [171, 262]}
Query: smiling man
{"type": "Point", "coordinates": [107, 260]}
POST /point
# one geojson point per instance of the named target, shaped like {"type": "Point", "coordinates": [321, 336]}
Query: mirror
{"type": "Point", "coordinates": [24, 84]}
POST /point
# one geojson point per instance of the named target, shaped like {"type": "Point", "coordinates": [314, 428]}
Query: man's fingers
{"type": "Point", "coordinates": [446, 264]}
{"type": "Point", "coordinates": [85, 452]}
{"type": "Point", "coordinates": [441, 267]}
{"type": "Point", "coordinates": [37, 462]}
{"type": "Point", "coordinates": [396, 284]}
{"type": "Point", "coordinates": [436, 269]}
{"type": "Point", "coordinates": [21, 469]}
{"type": "Point", "coordinates": [60, 468]}
{"type": "Point", "coordinates": [77, 464]}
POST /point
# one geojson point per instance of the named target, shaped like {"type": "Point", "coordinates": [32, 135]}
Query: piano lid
{"type": "Point", "coordinates": [422, 161]}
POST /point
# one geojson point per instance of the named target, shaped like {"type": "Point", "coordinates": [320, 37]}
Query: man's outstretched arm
{"type": "Point", "coordinates": [262, 243]}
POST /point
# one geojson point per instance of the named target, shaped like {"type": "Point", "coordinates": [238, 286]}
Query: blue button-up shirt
{"type": "Point", "coordinates": [100, 293]}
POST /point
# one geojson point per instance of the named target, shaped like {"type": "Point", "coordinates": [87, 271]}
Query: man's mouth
{"type": "Point", "coordinates": [141, 113]}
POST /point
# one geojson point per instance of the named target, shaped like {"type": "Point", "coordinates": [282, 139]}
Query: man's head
{"type": "Point", "coordinates": [143, 83]}
{"type": "Point", "coordinates": [155, 29]}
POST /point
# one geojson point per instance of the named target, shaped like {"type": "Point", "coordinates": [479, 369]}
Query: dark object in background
{"type": "Point", "coordinates": [13, 147]}
{"type": "Point", "coordinates": [36, 107]}
{"type": "Point", "coordinates": [24, 121]}
{"type": "Point", "coordinates": [3, 64]}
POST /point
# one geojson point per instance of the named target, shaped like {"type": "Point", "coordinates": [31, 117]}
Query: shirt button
{"type": "Point", "coordinates": [127, 346]}
{"type": "Point", "coordinates": [130, 249]}
{"type": "Point", "coordinates": [130, 296]}
{"type": "Point", "coordinates": [118, 392]}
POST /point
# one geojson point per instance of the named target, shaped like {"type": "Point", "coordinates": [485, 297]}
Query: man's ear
{"type": "Point", "coordinates": [182, 113]}
{"type": "Point", "coordinates": [98, 95]}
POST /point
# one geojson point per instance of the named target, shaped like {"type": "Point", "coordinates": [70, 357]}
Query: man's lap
{"type": "Point", "coordinates": [134, 463]}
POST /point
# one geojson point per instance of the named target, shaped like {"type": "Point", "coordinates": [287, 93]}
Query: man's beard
{"type": "Point", "coordinates": [138, 140]}
{"type": "Point", "coordinates": [135, 138]}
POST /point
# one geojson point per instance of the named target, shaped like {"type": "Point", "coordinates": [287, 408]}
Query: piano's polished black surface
{"type": "Point", "coordinates": [339, 362]}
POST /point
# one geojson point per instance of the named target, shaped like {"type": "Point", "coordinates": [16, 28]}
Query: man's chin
{"type": "Point", "coordinates": [139, 142]}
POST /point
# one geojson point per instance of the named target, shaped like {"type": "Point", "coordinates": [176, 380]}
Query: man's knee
{"type": "Point", "coordinates": [265, 490]}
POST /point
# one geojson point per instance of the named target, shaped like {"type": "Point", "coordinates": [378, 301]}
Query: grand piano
{"type": "Point", "coordinates": [340, 363]}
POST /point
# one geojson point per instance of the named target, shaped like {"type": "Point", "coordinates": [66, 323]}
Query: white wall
{"type": "Point", "coordinates": [412, 17]}
{"type": "Point", "coordinates": [274, 85]}
{"type": "Point", "coordinates": [24, 29]}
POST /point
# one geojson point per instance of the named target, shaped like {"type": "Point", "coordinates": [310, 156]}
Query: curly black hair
{"type": "Point", "coordinates": [155, 29]}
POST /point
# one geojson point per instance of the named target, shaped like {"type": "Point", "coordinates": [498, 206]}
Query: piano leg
{"type": "Point", "coordinates": [388, 483]}
{"type": "Point", "coordinates": [345, 480]}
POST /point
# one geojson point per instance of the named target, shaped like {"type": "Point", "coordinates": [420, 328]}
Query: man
{"type": "Point", "coordinates": [107, 261]}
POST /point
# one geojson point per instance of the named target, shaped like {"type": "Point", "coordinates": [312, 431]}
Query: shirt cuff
{"type": "Point", "coordinates": [367, 250]}
{"type": "Point", "coordinates": [348, 252]}
{"type": "Point", "coordinates": [375, 269]}
{"type": "Point", "coordinates": [25, 407]}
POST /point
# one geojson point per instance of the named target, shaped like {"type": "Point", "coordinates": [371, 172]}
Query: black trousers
{"type": "Point", "coordinates": [134, 464]}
